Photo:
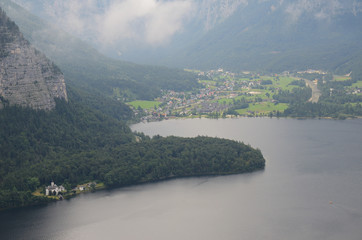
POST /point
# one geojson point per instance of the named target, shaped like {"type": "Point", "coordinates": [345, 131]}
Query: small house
{"type": "Point", "coordinates": [53, 189]}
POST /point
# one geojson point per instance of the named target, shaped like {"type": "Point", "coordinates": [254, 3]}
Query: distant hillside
{"type": "Point", "coordinates": [268, 35]}
{"type": "Point", "coordinates": [84, 66]}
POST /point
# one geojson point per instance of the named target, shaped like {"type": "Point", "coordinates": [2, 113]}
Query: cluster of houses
{"type": "Point", "coordinates": [53, 189]}
{"type": "Point", "coordinates": [176, 104]}
{"type": "Point", "coordinates": [221, 85]}
{"type": "Point", "coordinates": [84, 187]}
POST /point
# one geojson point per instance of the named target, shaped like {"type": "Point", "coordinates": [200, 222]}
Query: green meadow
{"type": "Point", "coordinates": [263, 107]}
{"type": "Point", "coordinates": [144, 104]}
{"type": "Point", "coordinates": [341, 78]}
{"type": "Point", "coordinates": [357, 84]}
{"type": "Point", "coordinates": [283, 83]}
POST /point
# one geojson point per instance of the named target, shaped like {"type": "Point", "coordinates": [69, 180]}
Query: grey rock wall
{"type": "Point", "coordinates": [27, 77]}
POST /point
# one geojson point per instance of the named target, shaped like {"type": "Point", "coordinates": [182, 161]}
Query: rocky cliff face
{"type": "Point", "coordinates": [27, 77]}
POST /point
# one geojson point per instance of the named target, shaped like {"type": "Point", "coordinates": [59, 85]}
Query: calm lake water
{"type": "Point", "coordinates": [311, 188]}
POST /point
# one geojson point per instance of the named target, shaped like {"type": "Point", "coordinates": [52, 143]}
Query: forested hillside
{"type": "Point", "coordinates": [281, 36]}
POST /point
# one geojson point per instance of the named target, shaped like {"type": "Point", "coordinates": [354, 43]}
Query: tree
{"type": "Point", "coordinates": [93, 186]}
{"type": "Point", "coordinates": [32, 183]}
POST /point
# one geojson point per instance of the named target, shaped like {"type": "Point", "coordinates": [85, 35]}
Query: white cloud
{"type": "Point", "coordinates": [166, 21]}
{"type": "Point", "coordinates": [113, 21]}
{"type": "Point", "coordinates": [153, 21]}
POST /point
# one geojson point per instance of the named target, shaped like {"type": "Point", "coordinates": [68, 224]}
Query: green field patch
{"type": "Point", "coordinates": [266, 78]}
{"type": "Point", "coordinates": [243, 79]}
{"type": "Point", "coordinates": [256, 92]}
{"type": "Point", "coordinates": [38, 193]}
{"type": "Point", "coordinates": [284, 82]}
{"type": "Point", "coordinates": [357, 84]}
{"type": "Point", "coordinates": [341, 78]}
{"type": "Point", "coordinates": [260, 93]}
{"type": "Point", "coordinates": [144, 104]}
{"type": "Point", "coordinates": [225, 100]}
{"type": "Point", "coordinates": [209, 82]}
{"type": "Point", "coordinates": [263, 107]}
{"type": "Point", "coordinates": [352, 104]}
{"type": "Point", "coordinates": [228, 100]}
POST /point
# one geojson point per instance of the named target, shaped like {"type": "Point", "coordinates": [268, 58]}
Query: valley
{"type": "Point", "coordinates": [227, 94]}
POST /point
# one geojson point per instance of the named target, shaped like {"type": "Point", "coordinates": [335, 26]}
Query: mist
{"type": "Point", "coordinates": [149, 22]}
{"type": "Point", "coordinates": [145, 30]}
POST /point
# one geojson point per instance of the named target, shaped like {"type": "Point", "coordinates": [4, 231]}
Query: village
{"type": "Point", "coordinates": [213, 98]}
{"type": "Point", "coordinates": [220, 93]}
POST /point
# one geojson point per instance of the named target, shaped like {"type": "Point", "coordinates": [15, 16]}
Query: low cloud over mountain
{"type": "Point", "coordinates": [148, 21]}
{"type": "Point", "coordinates": [252, 34]}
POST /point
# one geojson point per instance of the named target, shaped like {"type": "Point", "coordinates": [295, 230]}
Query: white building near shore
{"type": "Point", "coordinates": [53, 188]}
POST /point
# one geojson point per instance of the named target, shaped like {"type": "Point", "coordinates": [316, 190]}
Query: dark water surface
{"type": "Point", "coordinates": [311, 188]}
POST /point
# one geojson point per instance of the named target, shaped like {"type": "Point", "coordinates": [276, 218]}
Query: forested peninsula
{"type": "Point", "coordinates": [75, 144]}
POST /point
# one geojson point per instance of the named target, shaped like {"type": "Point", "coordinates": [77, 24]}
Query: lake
{"type": "Point", "coordinates": [311, 188]}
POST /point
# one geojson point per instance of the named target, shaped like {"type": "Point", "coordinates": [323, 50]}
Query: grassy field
{"type": "Point", "coordinates": [144, 104]}
{"type": "Point", "coordinates": [209, 82]}
{"type": "Point", "coordinates": [244, 79]}
{"type": "Point", "coordinates": [357, 84]}
{"type": "Point", "coordinates": [341, 78]}
{"type": "Point", "coordinates": [38, 193]}
{"type": "Point", "coordinates": [230, 100]}
{"type": "Point", "coordinates": [263, 107]}
{"type": "Point", "coordinates": [283, 83]}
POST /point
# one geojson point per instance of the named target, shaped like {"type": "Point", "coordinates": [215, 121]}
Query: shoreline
{"type": "Point", "coordinates": [241, 117]}
{"type": "Point", "coordinates": [52, 199]}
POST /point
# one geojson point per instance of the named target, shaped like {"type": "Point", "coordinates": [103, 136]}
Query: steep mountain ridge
{"type": "Point", "coordinates": [27, 77]}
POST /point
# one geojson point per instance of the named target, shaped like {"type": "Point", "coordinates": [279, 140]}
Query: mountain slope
{"type": "Point", "coordinates": [27, 77]}
{"type": "Point", "coordinates": [263, 36]}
